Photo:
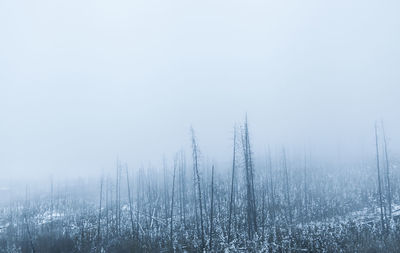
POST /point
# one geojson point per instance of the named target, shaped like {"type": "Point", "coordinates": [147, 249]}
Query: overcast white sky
{"type": "Point", "coordinates": [84, 81]}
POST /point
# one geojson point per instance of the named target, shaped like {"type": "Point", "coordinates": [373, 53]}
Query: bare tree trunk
{"type": "Point", "coordinates": [263, 213]}
{"type": "Point", "coordinates": [117, 200]}
{"type": "Point", "coordinates": [272, 189]}
{"type": "Point", "coordinates": [195, 202]}
{"type": "Point", "coordinates": [305, 188]}
{"type": "Point", "coordinates": [379, 177]}
{"type": "Point", "coordinates": [212, 208]}
{"type": "Point", "coordinates": [165, 191]}
{"type": "Point", "coordinates": [198, 181]}
{"type": "Point", "coordinates": [138, 205]}
{"type": "Point", "coordinates": [51, 205]}
{"type": "Point", "coordinates": [172, 205]}
{"type": "Point", "coordinates": [130, 201]}
{"type": "Point", "coordinates": [289, 207]}
{"type": "Point", "coordinates": [232, 185]}
{"type": "Point", "coordinates": [112, 209]}
{"type": "Point", "coordinates": [254, 208]}
{"type": "Point", "coordinates": [99, 217]}
{"type": "Point", "coordinates": [180, 184]}
{"type": "Point", "coordinates": [389, 188]}
{"type": "Point", "coordinates": [184, 188]}
{"type": "Point", "coordinates": [107, 200]}
{"type": "Point", "coordinates": [251, 205]}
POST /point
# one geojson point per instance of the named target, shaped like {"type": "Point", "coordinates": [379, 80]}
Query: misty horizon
{"type": "Point", "coordinates": [81, 86]}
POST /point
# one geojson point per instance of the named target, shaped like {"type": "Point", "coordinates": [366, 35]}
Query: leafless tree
{"type": "Point", "coordinates": [388, 186]}
{"type": "Point", "coordinates": [172, 204]}
{"type": "Point", "coordinates": [198, 183]}
{"type": "Point", "coordinates": [129, 200]}
{"type": "Point", "coordinates": [212, 208]}
{"type": "Point", "coordinates": [99, 215]}
{"type": "Point", "coordinates": [231, 202]}
{"type": "Point", "coordinates": [249, 173]}
{"type": "Point", "coordinates": [379, 176]}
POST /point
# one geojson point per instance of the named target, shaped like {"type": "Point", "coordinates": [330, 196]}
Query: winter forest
{"type": "Point", "coordinates": [276, 205]}
{"type": "Point", "coordinates": [206, 126]}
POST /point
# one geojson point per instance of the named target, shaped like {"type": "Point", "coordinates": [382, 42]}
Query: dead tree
{"type": "Point", "coordinates": [129, 199]}
{"type": "Point", "coordinates": [251, 203]}
{"type": "Point", "coordinates": [272, 188]}
{"type": "Point", "coordinates": [118, 199]}
{"type": "Point", "coordinates": [182, 189]}
{"type": "Point", "coordinates": [379, 177]}
{"type": "Point", "coordinates": [231, 204]}
{"type": "Point", "coordinates": [198, 183]}
{"type": "Point", "coordinates": [287, 194]}
{"type": "Point", "coordinates": [107, 200]}
{"type": "Point", "coordinates": [305, 188]}
{"type": "Point", "coordinates": [26, 208]}
{"type": "Point", "coordinates": [388, 186]}
{"type": "Point", "coordinates": [195, 203]}
{"type": "Point", "coordinates": [266, 191]}
{"type": "Point", "coordinates": [99, 216]}
{"type": "Point", "coordinates": [212, 208]}
{"type": "Point", "coordinates": [172, 205]}
{"type": "Point", "coordinates": [263, 210]}
{"type": "Point", "coordinates": [51, 204]}
{"type": "Point", "coordinates": [138, 204]}
{"type": "Point", "coordinates": [166, 197]}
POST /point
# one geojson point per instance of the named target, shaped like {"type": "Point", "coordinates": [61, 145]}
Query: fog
{"type": "Point", "coordinates": [85, 82]}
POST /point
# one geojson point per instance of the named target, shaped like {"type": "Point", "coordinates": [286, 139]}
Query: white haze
{"type": "Point", "coordinates": [82, 82]}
